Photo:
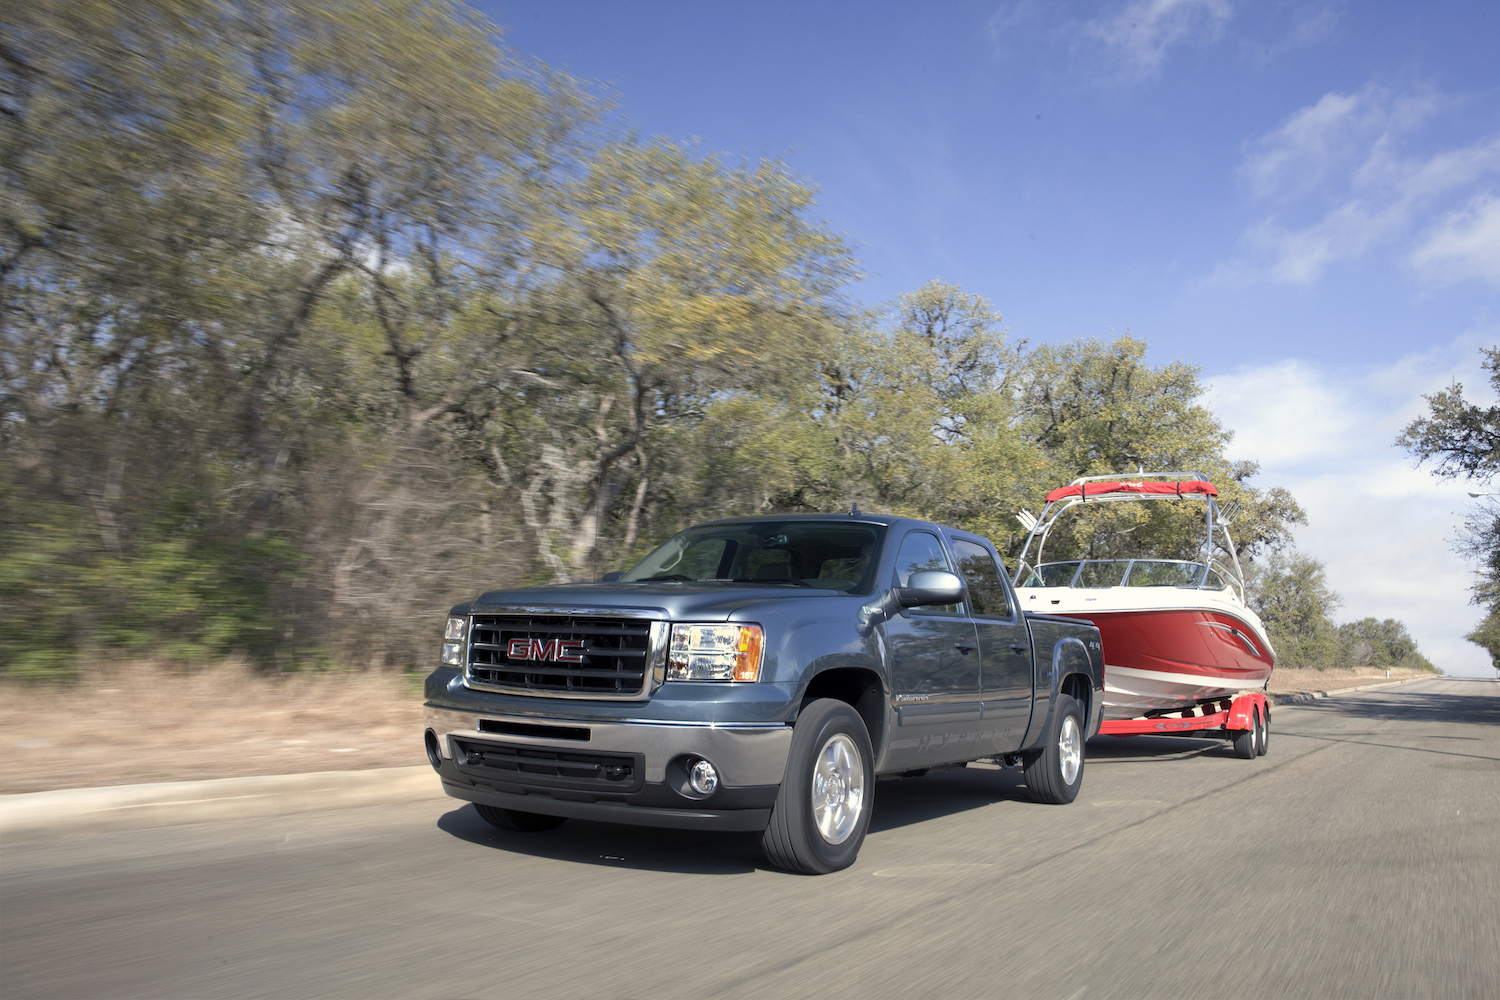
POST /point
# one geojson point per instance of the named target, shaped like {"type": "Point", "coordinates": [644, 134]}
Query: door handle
{"type": "Point", "coordinates": [1019, 647]}
{"type": "Point", "coordinates": [965, 647]}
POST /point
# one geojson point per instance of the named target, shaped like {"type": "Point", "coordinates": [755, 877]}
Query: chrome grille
{"type": "Point", "coordinates": [616, 654]}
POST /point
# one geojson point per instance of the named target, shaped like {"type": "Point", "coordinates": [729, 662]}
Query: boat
{"type": "Point", "coordinates": [1178, 634]}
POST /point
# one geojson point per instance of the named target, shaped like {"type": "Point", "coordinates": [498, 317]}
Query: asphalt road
{"type": "Point", "coordinates": [1360, 858]}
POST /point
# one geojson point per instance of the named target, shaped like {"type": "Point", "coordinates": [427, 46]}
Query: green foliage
{"type": "Point", "coordinates": [1487, 635]}
{"type": "Point", "coordinates": [1291, 595]}
{"type": "Point", "coordinates": [1374, 643]}
{"type": "Point", "coordinates": [182, 594]}
{"type": "Point", "coordinates": [1463, 440]}
{"type": "Point", "coordinates": [319, 315]}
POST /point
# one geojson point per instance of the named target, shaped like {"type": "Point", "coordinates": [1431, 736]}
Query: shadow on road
{"type": "Point", "coordinates": [898, 803]}
{"type": "Point", "coordinates": [1468, 706]}
{"type": "Point", "coordinates": [1106, 750]}
{"type": "Point", "coordinates": [908, 801]}
{"type": "Point", "coordinates": [615, 845]}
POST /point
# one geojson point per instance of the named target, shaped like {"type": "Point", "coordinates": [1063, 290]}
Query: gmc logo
{"type": "Point", "coordinates": [556, 650]}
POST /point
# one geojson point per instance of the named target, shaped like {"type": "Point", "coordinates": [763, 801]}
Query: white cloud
{"type": "Point", "coordinates": [1383, 528]}
{"type": "Point", "coordinates": [1311, 23]}
{"type": "Point", "coordinates": [1142, 32]}
{"type": "Point", "coordinates": [1341, 169]}
{"type": "Point", "coordinates": [1334, 134]}
{"type": "Point", "coordinates": [1465, 244]}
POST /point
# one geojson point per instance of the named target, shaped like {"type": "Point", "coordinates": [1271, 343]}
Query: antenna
{"type": "Point", "coordinates": [854, 509]}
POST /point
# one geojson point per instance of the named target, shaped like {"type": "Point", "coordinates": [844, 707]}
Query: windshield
{"type": "Point", "coordinates": [1118, 572]}
{"type": "Point", "coordinates": [826, 554]}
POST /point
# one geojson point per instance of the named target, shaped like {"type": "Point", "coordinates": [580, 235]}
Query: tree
{"type": "Point", "coordinates": [1463, 441]}
{"type": "Point", "coordinates": [1370, 642]}
{"type": "Point", "coordinates": [1291, 595]}
{"type": "Point", "coordinates": [317, 315]}
{"type": "Point", "coordinates": [1095, 408]}
{"type": "Point", "coordinates": [191, 191]}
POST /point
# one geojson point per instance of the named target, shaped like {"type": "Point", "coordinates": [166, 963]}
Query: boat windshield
{"type": "Point", "coordinates": [1122, 573]}
{"type": "Point", "coordinates": [1058, 574]}
{"type": "Point", "coordinates": [1163, 573]}
{"type": "Point", "coordinates": [829, 555]}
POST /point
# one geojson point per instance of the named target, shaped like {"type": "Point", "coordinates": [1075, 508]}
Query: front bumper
{"type": "Point", "coordinates": [612, 771]}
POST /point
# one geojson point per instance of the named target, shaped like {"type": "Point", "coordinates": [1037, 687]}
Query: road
{"type": "Point", "coordinates": [1359, 858]}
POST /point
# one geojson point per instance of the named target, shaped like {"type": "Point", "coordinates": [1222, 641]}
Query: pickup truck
{"type": "Point", "coordinates": [760, 674]}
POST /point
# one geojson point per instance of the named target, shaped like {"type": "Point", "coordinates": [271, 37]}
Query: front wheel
{"type": "Point", "coordinates": [823, 806]}
{"type": "Point", "coordinates": [1056, 774]}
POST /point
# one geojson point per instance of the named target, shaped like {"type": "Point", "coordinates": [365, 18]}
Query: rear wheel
{"type": "Point", "coordinates": [823, 806]}
{"type": "Point", "coordinates": [1263, 741]}
{"type": "Point", "coordinates": [517, 821]}
{"type": "Point", "coordinates": [1056, 774]}
{"type": "Point", "coordinates": [1247, 741]}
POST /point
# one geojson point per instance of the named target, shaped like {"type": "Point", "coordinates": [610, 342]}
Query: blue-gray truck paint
{"type": "Point", "coordinates": [809, 634]}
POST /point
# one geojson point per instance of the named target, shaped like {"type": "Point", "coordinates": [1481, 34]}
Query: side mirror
{"type": "Point", "coordinates": [612, 576]}
{"type": "Point", "coordinates": [933, 586]}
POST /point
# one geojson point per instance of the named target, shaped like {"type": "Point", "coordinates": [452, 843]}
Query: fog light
{"type": "Point", "coordinates": [703, 778]}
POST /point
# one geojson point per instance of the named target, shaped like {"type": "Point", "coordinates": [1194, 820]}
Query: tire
{"type": "Point", "coordinates": [1056, 774]}
{"type": "Point", "coordinates": [827, 794]}
{"type": "Point", "coordinates": [1264, 742]}
{"type": "Point", "coordinates": [1247, 741]}
{"type": "Point", "coordinates": [517, 821]}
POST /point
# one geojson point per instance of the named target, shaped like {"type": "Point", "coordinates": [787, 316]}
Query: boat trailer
{"type": "Point", "coordinates": [1244, 720]}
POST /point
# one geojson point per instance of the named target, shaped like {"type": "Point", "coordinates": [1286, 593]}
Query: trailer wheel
{"type": "Point", "coordinates": [1056, 774]}
{"type": "Point", "coordinates": [823, 806]}
{"type": "Point", "coordinates": [517, 821]}
{"type": "Point", "coordinates": [1263, 730]}
{"type": "Point", "coordinates": [1247, 741]}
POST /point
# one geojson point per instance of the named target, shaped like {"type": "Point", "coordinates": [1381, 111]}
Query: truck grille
{"type": "Point", "coordinates": [545, 768]}
{"type": "Point", "coordinates": [562, 655]}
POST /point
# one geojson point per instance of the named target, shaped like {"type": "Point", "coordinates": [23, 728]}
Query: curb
{"type": "Point", "coordinates": [30, 815]}
{"type": "Point", "coordinates": [1304, 697]}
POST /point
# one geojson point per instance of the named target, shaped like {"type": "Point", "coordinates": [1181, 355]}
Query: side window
{"type": "Point", "coordinates": [921, 550]}
{"type": "Point", "coordinates": [977, 566]}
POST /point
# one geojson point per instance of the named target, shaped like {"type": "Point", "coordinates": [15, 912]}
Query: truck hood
{"type": "Point", "coordinates": [685, 601]}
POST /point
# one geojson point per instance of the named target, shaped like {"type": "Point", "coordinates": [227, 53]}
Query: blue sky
{"type": "Point", "coordinates": [1302, 199]}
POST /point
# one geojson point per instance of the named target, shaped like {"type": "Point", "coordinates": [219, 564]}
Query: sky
{"type": "Point", "coordinates": [1303, 199]}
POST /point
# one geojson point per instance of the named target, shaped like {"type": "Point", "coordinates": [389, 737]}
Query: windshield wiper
{"type": "Point", "coordinates": [667, 577]}
{"type": "Point", "coordinates": [780, 579]}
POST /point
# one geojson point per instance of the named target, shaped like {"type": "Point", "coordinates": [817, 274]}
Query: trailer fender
{"type": "Point", "coordinates": [1242, 711]}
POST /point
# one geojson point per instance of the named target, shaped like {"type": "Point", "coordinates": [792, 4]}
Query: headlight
{"type": "Point", "coordinates": [715, 653]}
{"type": "Point", "coordinates": [453, 648]}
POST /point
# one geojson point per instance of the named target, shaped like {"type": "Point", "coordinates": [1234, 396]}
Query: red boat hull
{"type": "Point", "coordinates": [1167, 659]}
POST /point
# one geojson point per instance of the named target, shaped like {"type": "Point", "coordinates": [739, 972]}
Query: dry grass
{"type": "Point", "coordinates": [143, 722]}
{"type": "Point", "coordinates": [1286, 680]}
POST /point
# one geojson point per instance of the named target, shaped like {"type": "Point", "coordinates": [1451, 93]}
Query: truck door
{"type": "Point", "coordinates": [934, 667]}
{"type": "Point", "coordinates": [1004, 645]}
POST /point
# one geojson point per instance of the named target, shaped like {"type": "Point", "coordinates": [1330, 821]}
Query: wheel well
{"type": "Point", "coordinates": [860, 689]}
{"type": "Point", "coordinates": [1078, 686]}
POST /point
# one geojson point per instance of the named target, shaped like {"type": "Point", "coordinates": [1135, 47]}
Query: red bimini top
{"type": "Point", "coordinates": [1086, 490]}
